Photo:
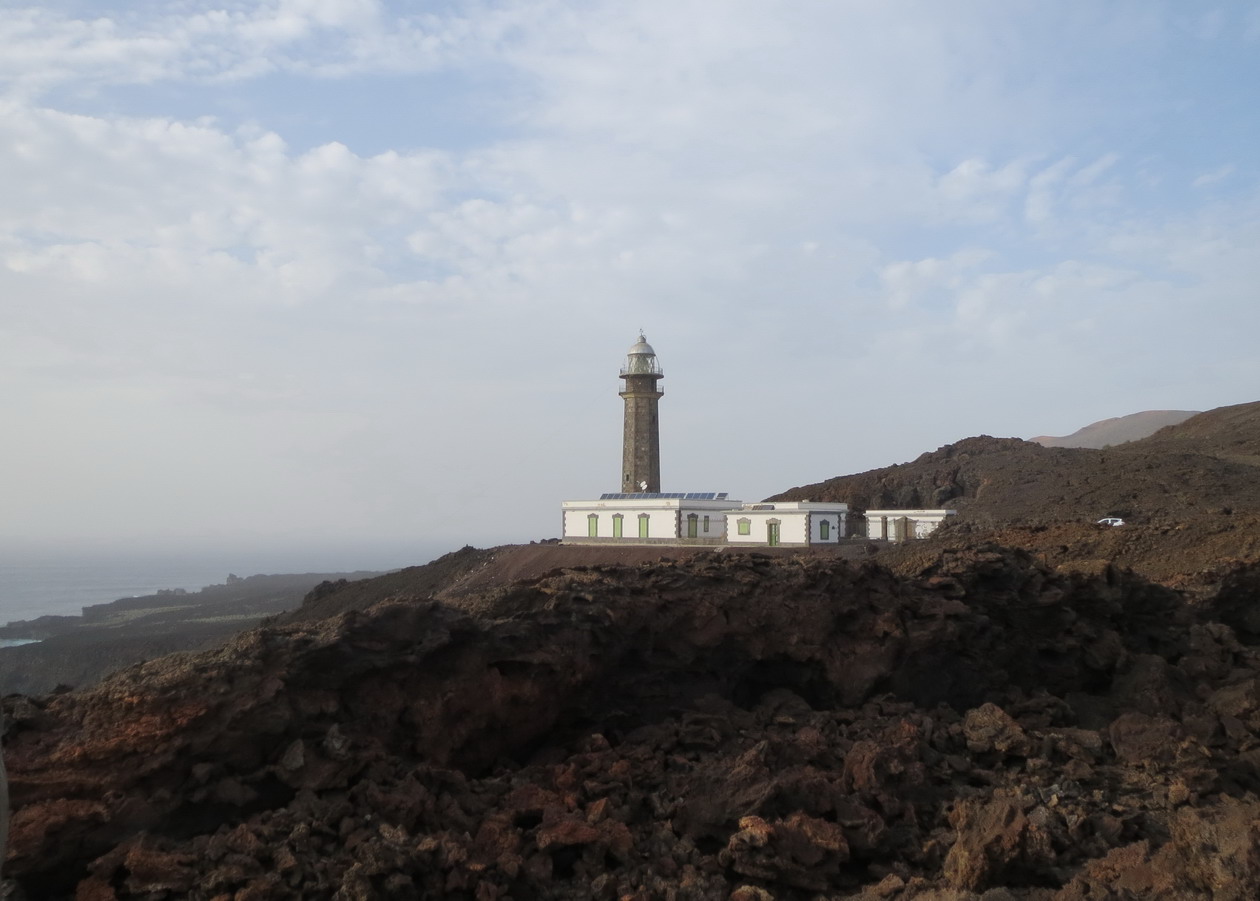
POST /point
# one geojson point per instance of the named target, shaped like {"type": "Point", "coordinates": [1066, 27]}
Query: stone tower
{"type": "Point", "coordinates": [641, 444]}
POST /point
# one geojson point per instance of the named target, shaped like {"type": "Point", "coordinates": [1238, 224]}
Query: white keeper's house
{"type": "Point", "coordinates": [789, 523]}
{"type": "Point", "coordinates": [648, 518]}
{"type": "Point", "coordinates": [642, 514]}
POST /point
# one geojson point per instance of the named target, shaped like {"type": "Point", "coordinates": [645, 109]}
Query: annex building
{"type": "Point", "coordinates": [640, 513]}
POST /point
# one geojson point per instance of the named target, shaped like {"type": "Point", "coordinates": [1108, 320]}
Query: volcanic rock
{"type": "Point", "coordinates": [727, 725]}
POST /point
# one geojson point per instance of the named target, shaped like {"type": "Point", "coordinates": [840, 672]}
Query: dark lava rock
{"type": "Point", "coordinates": [724, 726]}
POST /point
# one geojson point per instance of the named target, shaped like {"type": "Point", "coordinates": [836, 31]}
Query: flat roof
{"type": "Point", "coordinates": [933, 512]}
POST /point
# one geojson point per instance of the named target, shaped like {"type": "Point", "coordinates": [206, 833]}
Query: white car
{"type": "Point", "coordinates": [1111, 521]}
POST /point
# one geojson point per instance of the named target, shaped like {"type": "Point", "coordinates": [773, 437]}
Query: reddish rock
{"type": "Point", "coordinates": [989, 728]}
{"type": "Point", "coordinates": [996, 842]}
{"type": "Point", "coordinates": [765, 725]}
{"type": "Point", "coordinates": [1141, 739]}
{"type": "Point", "coordinates": [800, 851]}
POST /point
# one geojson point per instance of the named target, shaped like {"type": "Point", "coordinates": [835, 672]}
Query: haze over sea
{"type": "Point", "coordinates": [62, 581]}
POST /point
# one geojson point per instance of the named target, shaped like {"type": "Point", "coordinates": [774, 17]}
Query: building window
{"type": "Point", "coordinates": [744, 526]}
{"type": "Point", "coordinates": [643, 525]}
{"type": "Point", "coordinates": [592, 525]}
{"type": "Point", "coordinates": [824, 529]}
{"type": "Point", "coordinates": [706, 523]}
{"type": "Point", "coordinates": [617, 518]}
{"type": "Point", "coordinates": [692, 521]}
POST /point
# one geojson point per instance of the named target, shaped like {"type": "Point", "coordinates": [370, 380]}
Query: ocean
{"type": "Point", "coordinates": [45, 582]}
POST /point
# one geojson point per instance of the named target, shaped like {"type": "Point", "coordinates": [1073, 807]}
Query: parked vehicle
{"type": "Point", "coordinates": [1111, 521]}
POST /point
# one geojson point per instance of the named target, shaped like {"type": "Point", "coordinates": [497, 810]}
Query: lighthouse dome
{"type": "Point", "coordinates": [641, 359]}
{"type": "Point", "coordinates": [641, 347]}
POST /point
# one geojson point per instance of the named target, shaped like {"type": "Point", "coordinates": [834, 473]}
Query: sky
{"type": "Point", "coordinates": [358, 273]}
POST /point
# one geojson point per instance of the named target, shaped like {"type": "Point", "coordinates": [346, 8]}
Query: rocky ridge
{"type": "Point", "coordinates": [1189, 494]}
{"type": "Point", "coordinates": [1205, 465]}
{"type": "Point", "coordinates": [724, 726]}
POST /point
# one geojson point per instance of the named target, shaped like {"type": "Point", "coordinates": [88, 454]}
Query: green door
{"type": "Point", "coordinates": [643, 525]}
{"type": "Point", "coordinates": [592, 525]}
{"type": "Point", "coordinates": [772, 533]}
{"type": "Point", "coordinates": [617, 525]}
{"type": "Point", "coordinates": [692, 525]}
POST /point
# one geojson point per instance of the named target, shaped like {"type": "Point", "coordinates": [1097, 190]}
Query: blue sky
{"type": "Point", "coordinates": [348, 272]}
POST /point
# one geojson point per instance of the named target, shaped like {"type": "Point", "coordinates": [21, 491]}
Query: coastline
{"type": "Point", "coordinates": [38, 581]}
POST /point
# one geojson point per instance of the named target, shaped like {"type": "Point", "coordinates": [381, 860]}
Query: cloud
{"type": "Point", "coordinates": [1213, 177]}
{"type": "Point", "coordinates": [240, 42]}
{"type": "Point", "coordinates": [907, 281]}
{"type": "Point", "coordinates": [194, 241]}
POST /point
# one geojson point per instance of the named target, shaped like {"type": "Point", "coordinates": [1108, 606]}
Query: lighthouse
{"type": "Point", "coordinates": [641, 442]}
{"type": "Point", "coordinates": [641, 514]}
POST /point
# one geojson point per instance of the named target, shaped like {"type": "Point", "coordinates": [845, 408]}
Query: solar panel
{"type": "Point", "coordinates": [664, 495]}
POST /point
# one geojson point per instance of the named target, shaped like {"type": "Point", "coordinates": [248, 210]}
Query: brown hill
{"type": "Point", "coordinates": [729, 726]}
{"type": "Point", "coordinates": [1117, 430]}
{"type": "Point", "coordinates": [1190, 495]}
{"type": "Point", "coordinates": [1206, 464]}
{"type": "Point", "coordinates": [1231, 433]}
{"type": "Point", "coordinates": [1007, 480]}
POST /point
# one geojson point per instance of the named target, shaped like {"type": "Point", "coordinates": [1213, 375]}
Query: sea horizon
{"type": "Point", "coordinates": [46, 581]}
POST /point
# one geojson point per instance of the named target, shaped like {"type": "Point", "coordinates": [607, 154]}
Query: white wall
{"type": "Point", "coordinates": [717, 521]}
{"type": "Point", "coordinates": [792, 528]}
{"type": "Point", "coordinates": [922, 523]}
{"type": "Point", "coordinates": [815, 527]}
{"type": "Point", "coordinates": [661, 522]}
{"type": "Point", "coordinates": [753, 536]}
{"type": "Point", "coordinates": [799, 522]}
{"type": "Point", "coordinates": [667, 518]}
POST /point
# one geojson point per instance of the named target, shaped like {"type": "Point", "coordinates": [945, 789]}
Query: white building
{"type": "Point", "coordinates": [899, 525]}
{"type": "Point", "coordinates": [641, 514]}
{"type": "Point", "coordinates": [647, 518]}
{"type": "Point", "coordinates": [789, 523]}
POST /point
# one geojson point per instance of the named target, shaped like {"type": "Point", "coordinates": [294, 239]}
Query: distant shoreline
{"type": "Point", "coordinates": [48, 652]}
{"type": "Point", "coordinates": [49, 581]}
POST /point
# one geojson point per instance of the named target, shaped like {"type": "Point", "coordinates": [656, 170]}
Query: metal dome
{"type": "Point", "coordinates": [641, 347]}
{"type": "Point", "coordinates": [641, 359]}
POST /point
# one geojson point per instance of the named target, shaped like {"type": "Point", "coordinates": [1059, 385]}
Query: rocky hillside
{"type": "Point", "coordinates": [1190, 495]}
{"type": "Point", "coordinates": [1024, 707]}
{"type": "Point", "coordinates": [475, 579]}
{"type": "Point", "coordinates": [1206, 465]}
{"type": "Point", "coordinates": [729, 726]}
{"type": "Point", "coordinates": [1118, 429]}
{"type": "Point", "coordinates": [1230, 433]}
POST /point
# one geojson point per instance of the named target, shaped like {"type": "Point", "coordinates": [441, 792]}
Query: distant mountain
{"type": "Point", "coordinates": [1118, 429]}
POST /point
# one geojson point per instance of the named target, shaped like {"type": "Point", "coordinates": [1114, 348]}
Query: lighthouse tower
{"type": "Point", "coordinates": [641, 442]}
